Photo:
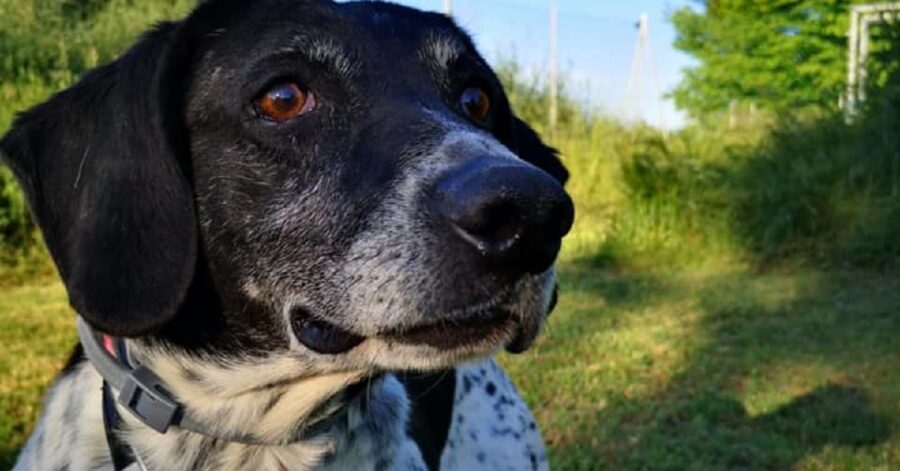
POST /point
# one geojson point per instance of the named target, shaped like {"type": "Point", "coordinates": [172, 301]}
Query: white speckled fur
{"type": "Point", "coordinates": [70, 430]}
{"type": "Point", "coordinates": [492, 427]}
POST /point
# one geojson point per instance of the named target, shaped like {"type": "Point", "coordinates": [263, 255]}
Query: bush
{"type": "Point", "coordinates": [824, 190]}
{"type": "Point", "coordinates": [810, 189]}
{"type": "Point", "coordinates": [15, 227]}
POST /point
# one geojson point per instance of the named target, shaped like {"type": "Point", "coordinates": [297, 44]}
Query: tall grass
{"type": "Point", "coordinates": [808, 188]}
{"type": "Point", "coordinates": [825, 190]}
{"type": "Point", "coordinates": [636, 189]}
{"type": "Point", "coordinates": [45, 45]}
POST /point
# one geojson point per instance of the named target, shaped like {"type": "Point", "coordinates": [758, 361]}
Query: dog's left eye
{"type": "Point", "coordinates": [476, 103]}
{"type": "Point", "coordinates": [284, 102]}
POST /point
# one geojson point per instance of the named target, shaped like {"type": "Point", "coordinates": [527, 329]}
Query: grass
{"type": "Point", "coordinates": [730, 298]}
{"type": "Point", "coordinates": [714, 368]}
{"type": "Point", "coordinates": [719, 369]}
{"type": "Point", "coordinates": [38, 333]}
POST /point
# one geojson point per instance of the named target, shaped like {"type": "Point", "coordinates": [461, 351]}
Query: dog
{"type": "Point", "coordinates": [294, 232]}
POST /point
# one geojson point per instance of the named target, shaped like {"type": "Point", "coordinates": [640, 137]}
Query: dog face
{"type": "Point", "coordinates": [343, 183]}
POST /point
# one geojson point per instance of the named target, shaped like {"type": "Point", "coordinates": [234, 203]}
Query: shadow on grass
{"type": "Point", "coordinates": [749, 328]}
{"type": "Point", "coordinates": [714, 431]}
{"type": "Point", "coordinates": [8, 458]}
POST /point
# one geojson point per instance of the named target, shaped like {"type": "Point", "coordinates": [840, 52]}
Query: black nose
{"type": "Point", "coordinates": [514, 215]}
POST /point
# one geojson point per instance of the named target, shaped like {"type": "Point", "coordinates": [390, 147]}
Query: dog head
{"type": "Point", "coordinates": [344, 183]}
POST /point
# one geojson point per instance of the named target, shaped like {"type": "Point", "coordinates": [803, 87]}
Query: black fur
{"type": "Point", "coordinates": [529, 146]}
{"type": "Point", "coordinates": [99, 166]}
{"type": "Point", "coordinates": [113, 167]}
{"type": "Point", "coordinates": [432, 400]}
{"type": "Point", "coordinates": [76, 358]}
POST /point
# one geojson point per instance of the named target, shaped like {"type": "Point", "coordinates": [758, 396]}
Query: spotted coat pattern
{"type": "Point", "coordinates": [492, 427]}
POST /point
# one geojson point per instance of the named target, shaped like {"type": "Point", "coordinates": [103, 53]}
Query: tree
{"type": "Point", "coordinates": [778, 54]}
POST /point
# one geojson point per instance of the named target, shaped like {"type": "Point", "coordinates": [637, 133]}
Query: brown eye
{"type": "Point", "coordinates": [285, 101]}
{"type": "Point", "coordinates": [476, 103]}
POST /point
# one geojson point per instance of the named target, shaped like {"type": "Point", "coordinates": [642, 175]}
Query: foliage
{"type": "Point", "coordinates": [46, 44]}
{"type": "Point", "coordinates": [826, 189]}
{"type": "Point", "coordinates": [803, 188]}
{"type": "Point", "coordinates": [783, 54]}
{"type": "Point", "coordinates": [15, 227]}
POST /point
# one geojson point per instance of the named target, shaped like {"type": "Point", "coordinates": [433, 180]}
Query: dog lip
{"type": "Point", "coordinates": [449, 334]}
{"type": "Point", "coordinates": [323, 337]}
{"type": "Point", "coordinates": [477, 326]}
{"type": "Point", "coordinates": [328, 339]}
{"type": "Point", "coordinates": [519, 343]}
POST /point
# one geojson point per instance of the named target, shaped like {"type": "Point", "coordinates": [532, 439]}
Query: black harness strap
{"type": "Point", "coordinates": [121, 454]}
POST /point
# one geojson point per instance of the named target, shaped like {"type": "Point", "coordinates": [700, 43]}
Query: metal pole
{"type": "Point", "coordinates": [862, 73]}
{"type": "Point", "coordinates": [862, 17]}
{"type": "Point", "coordinates": [651, 64]}
{"type": "Point", "coordinates": [635, 86]}
{"type": "Point", "coordinates": [642, 50]}
{"type": "Point", "coordinates": [852, 58]}
{"type": "Point", "coordinates": [448, 7]}
{"type": "Point", "coordinates": [553, 72]}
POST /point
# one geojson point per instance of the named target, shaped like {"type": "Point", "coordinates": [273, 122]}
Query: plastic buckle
{"type": "Point", "coordinates": [145, 396]}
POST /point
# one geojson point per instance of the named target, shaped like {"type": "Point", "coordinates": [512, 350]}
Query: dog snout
{"type": "Point", "coordinates": [513, 215]}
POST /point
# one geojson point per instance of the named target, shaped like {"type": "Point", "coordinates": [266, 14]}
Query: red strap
{"type": "Point", "coordinates": [110, 346]}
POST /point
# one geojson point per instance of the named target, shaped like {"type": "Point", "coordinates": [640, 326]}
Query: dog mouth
{"type": "Point", "coordinates": [491, 327]}
{"type": "Point", "coordinates": [488, 327]}
{"type": "Point", "coordinates": [322, 337]}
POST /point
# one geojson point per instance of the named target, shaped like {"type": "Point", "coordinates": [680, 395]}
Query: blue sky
{"type": "Point", "coordinates": [597, 40]}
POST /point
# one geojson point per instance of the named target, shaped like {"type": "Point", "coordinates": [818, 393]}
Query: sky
{"type": "Point", "coordinates": [597, 43]}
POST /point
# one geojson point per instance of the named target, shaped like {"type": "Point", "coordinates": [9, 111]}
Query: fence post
{"type": "Point", "coordinates": [553, 72]}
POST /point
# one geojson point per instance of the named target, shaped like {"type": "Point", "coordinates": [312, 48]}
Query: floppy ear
{"type": "Point", "coordinates": [529, 147]}
{"type": "Point", "coordinates": [103, 166]}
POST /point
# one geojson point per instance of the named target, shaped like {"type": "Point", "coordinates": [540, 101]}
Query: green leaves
{"type": "Point", "coordinates": [778, 54]}
{"type": "Point", "coordinates": [15, 226]}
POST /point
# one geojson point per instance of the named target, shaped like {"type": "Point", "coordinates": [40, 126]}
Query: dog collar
{"type": "Point", "coordinates": [141, 391]}
{"type": "Point", "coordinates": [146, 396]}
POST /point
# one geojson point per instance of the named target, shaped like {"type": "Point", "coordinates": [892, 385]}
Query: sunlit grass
{"type": "Point", "coordinates": [709, 369]}
{"type": "Point", "coordinates": [36, 334]}
{"type": "Point", "coordinates": [718, 369]}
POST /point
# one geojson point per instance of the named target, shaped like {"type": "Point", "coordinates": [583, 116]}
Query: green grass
{"type": "Point", "coordinates": [717, 368]}
{"type": "Point", "coordinates": [38, 332]}
{"type": "Point", "coordinates": [683, 339]}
